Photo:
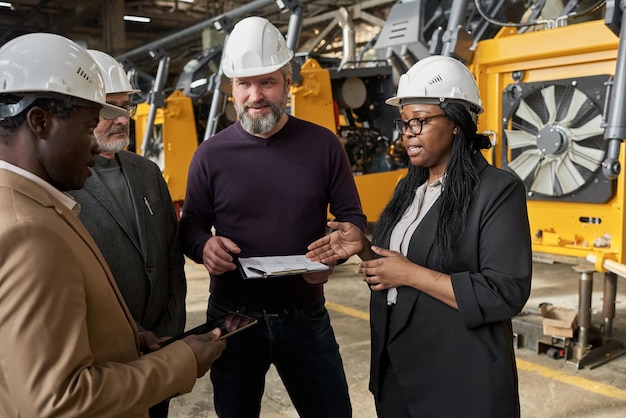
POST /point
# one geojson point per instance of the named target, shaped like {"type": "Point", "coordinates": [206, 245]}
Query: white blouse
{"type": "Point", "coordinates": [425, 197]}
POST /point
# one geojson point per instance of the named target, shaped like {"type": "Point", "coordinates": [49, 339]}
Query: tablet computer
{"type": "Point", "coordinates": [229, 324]}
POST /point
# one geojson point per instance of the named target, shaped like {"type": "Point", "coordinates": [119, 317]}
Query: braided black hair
{"type": "Point", "coordinates": [460, 184]}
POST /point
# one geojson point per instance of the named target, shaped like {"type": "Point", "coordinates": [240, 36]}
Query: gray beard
{"type": "Point", "coordinates": [112, 146]}
{"type": "Point", "coordinates": [261, 124]}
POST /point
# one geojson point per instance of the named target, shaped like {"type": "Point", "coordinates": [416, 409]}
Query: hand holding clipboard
{"type": "Point", "coordinates": [277, 266]}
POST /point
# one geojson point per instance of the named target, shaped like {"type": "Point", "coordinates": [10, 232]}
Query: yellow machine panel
{"type": "Point", "coordinates": [173, 141]}
{"type": "Point", "coordinates": [544, 94]}
{"type": "Point", "coordinates": [312, 99]}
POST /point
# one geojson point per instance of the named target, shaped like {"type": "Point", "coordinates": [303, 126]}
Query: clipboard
{"type": "Point", "coordinates": [278, 266]}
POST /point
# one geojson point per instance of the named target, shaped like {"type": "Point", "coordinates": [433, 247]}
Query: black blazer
{"type": "Point", "coordinates": [461, 363]}
{"type": "Point", "coordinates": [149, 271]}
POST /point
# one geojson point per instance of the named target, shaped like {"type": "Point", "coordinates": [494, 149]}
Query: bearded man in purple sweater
{"type": "Point", "coordinates": [265, 184]}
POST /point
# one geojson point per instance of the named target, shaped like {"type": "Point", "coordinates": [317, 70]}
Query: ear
{"type": "Point", "coordinates": [38, 121]}
{"type": "Point", "coordinates": [288, 81]}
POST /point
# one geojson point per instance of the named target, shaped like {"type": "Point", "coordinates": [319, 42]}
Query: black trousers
{"type": "Point", "coordinates": [391, 403]}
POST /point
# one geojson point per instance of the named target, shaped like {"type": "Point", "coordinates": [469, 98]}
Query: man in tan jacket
{"type": "Point", "coordinates": [70, 346]}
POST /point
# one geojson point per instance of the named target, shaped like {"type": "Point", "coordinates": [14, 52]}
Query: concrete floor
{"type": "Point", "coordinates": [549, 388]}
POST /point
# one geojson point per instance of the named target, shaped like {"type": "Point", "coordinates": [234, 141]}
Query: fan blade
{"type": "Point", "coordinates": [544, 178]}
{"type": "Point", "coordinates": [548, 97]}
{"type": "Point", "coordinates": [568, 176]}
{"type": "Point", "coordinates": [578, 100]}
{"type": "Point", "coordinates": [589, 129]}
{"type": "Point", "coordinates": [525, 163]}
{"type": "Point", "coordinates": [520, 139]}
{"type": "Point", "coordinates": [526, 113]}
{"type": "Point", "coordinates": [590, 158]}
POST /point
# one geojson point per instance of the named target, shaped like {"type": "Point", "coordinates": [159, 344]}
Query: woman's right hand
{"type": "Point", "coordinates": [345, 241]}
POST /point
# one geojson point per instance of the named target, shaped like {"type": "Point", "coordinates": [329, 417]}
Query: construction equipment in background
{"type": "Point", "coordinates": [544, 82]}
{"type": "Point", "coordinates": [171, 142]}
{"type": "Point", "coordinates": [549, 85]}
{"type": "Point", "coordinates": [554, 103]}
{"type": "Point", "coordinates": [546, 102]}
{"type": "Point", "coordinates": [551, 75]}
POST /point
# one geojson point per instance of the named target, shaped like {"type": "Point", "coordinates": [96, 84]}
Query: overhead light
{"type": "Point", "coordinates": [187, 1]}
{"type": "Point", "coordinates": [140, 19]}
{"type": "Point", "coordinates": [6, 4]}
{"type": "Point", "coordinates": [197, 83]}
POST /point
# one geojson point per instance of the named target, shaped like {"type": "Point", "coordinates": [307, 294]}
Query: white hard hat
{"type": "Point", "coordinates": [254, 47]}
{"type": "Point", "coordinates": [48, 63]}
{"type": "Point", "coordinates": [437, 79]}
{"type": "Point", "coordinates": [113, 74]}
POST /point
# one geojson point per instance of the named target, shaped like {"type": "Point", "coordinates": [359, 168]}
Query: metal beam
{"type": "Point", "coordinates": [359, 8]}
{"type": "Point", "coordinates": [232, 15]}
{"type": "Point", "coordinates": [9, 34]}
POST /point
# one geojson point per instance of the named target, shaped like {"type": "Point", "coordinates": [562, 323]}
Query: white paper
{"type": "Point", "coordinates": [278, 266]}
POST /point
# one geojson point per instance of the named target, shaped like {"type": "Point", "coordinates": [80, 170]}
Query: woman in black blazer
{"type": "Point", "coordinates": [451, 260]}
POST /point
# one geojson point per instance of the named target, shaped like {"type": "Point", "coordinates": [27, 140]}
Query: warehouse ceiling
{"type": "Point", "coordinates": [187, 24]}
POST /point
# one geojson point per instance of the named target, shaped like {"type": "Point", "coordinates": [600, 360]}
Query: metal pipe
{"type": "Point", "coordinates": [610, 265]}
{"type": "Point", "coordinates": [615, 130]}
{"type": "Point", "coordinates": [585, 288]}
{"type": "Point", "coordinates": [608, 302]}
{"type": "Point", "coordinates": [156, 100]}
{"type": "Point", "coordinates": [456, 22]}
{"type": "Point", "coordinates": [198, 27]}
{"type": "Point", "coordinates": [211, 125]}
{"type": "Point", "coordinates": [349, 41]}
{"type": "Point", "coordinates": [295, 27]}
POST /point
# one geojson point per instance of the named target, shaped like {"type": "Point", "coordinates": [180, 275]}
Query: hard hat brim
{"type": "Point", "coordinates": [400, 101]}
{"type": "Point", "coordinates": [256, 71]}
{"type": "Point", "coordinates": [111, 112]}
{"type": "Point", "coordinates": [133, 91]}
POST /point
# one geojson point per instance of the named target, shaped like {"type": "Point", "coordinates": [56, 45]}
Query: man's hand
{"type": "Point", "coordinates": [217, 255]}
{"type": "Point", "coordinates": [148, 342]}
{"type": "Point", "coordinates": [207, 349]}
{"type": "Point", "coordinates": [317, 277]}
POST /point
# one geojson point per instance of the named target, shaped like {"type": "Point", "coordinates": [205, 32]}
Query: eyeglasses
{"type": "Point", "coordinates": [131, 109]}
{"type": "Point", "coordinates": [415, 125]}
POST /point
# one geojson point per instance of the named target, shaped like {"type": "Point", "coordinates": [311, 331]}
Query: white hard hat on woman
{"type": "Point", "coordinates": [436, 80]}
{"type": "Point", "coordinates": [115, 78]}
{"type": "Point", "coordinates": [254, 47]}
{"type": "Point", "coordinates": [48, 65]}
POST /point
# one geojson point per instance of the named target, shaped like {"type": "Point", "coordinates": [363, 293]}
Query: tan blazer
{"type": "Point", "coordinates": [69, 345]}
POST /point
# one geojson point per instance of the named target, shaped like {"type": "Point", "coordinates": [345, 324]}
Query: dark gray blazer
{"type": "Point", "coordinates": [461, 363]}
{"type": "Point", "coordinates": [149, 272]}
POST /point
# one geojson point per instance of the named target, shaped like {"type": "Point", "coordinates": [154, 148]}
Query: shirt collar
{"type": "Point", "coordinates": [64, 198]}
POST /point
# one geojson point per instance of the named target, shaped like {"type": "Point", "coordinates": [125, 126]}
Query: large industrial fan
{"type": "Point", "coordinates": [553, 138]}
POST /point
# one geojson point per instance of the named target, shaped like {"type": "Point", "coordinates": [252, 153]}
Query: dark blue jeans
{"type": "Point", "coordinates": [301, 344]}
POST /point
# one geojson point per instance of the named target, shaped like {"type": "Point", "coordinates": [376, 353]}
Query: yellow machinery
{"type": "Point", "coordinates": [173, 141]}
{"type": "Point", "coordinates": [545, 97]}
{"type": "Point", "coordinates": [312, 99]}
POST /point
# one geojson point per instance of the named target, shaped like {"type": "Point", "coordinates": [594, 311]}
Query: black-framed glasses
{"type": "Point", "coordinates": [415, 125]}
{"type": "Point", "coordinates": [131, 109]}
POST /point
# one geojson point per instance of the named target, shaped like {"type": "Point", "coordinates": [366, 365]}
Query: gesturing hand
{"type": "Point", "coordinates": [345, 241]}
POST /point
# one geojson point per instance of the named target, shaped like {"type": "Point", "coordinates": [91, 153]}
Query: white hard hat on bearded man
{"type": "Point", "coordinates": [254, 47]}
{"type": "Point", "coordinates": [113, 74]}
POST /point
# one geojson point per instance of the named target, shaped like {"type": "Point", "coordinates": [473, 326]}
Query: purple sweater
{"type": "Point", "coordinates": [269, 196]}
